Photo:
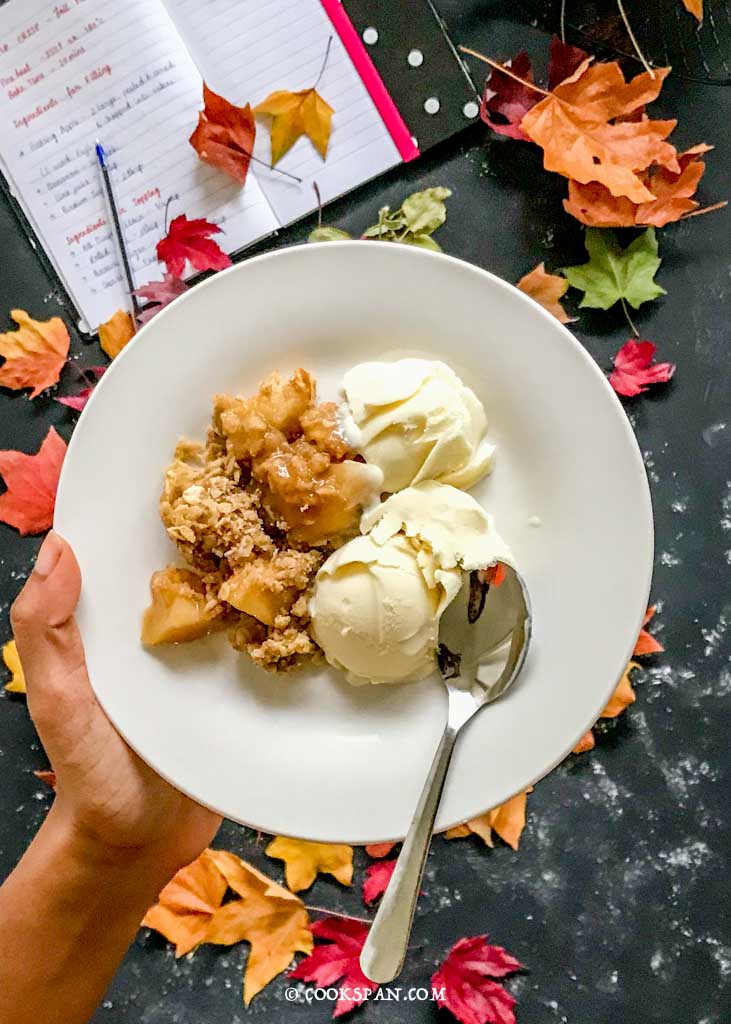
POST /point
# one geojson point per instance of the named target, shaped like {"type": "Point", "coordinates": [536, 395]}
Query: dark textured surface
{"type": "Point", "coordinates": [617, 898]}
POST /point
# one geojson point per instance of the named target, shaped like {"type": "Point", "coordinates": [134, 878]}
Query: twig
{"type": "Point", "coordinates": [337, 913]}
{"type": "Point", "coordinates": [629, 319]}
{"type": "Point", "coordinates": [324, 63]}
{"type": "Point", "coordinates": [633, 40]}
{"type": "Point", "coordinates": [505, 70]}
{"type": "Point", "coordinates": [705, 209]}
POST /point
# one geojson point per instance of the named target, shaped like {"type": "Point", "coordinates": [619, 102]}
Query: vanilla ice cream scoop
{"type": "Point", "coordinates": [416, 420]}
{"type": "Point", "coordinates": [375, 613]}
{"type": "Point", "coordinates": [378, 599]}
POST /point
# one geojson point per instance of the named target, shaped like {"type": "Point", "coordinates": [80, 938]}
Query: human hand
{"type": "Point", "coordinates": [109, 800]}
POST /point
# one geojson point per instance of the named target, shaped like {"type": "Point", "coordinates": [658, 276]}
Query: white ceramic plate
{"type": "Point", "coordinates": [309, 755]}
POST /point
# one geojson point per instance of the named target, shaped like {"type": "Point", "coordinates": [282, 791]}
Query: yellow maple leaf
{"type": "Point", "coordinates": [507, 819]}
{"type": "Point", "coordinates": [294, 114]}
{"type": "Point", "coordinates": [12, 662]}
{"type": "Point", "coordinates": [34, 354]}
{"type": "Point", "coordinates": [270, 918]}
{"type": "Point", "coordinates": [303, 860]}
{"type": "Point", "coordinates": [547, 289]}
{"type": "Point", "coordinates": [695, 7]}
{"type": "Point", "coordinates": [116, 333]}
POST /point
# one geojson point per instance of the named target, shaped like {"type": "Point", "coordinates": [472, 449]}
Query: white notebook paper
{"type": "Point", "coordinates": [130, 74]}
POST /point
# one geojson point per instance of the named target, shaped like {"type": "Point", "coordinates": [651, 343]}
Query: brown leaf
{"type": "Point", "coordinates": [294, 114]}
{"type": "Point", "coordinates": [547, 289]}
{"type": "Point", "coordinates": [507, 819]}
{"type": "Point", "coordinates": [34, 354]}
{"type": "Point", "coordinates": [304, 860]}
{"type": "Point", "coordinates": [116, 333]}
{"type": "Point", "coordinates": [582, 129]}
{"type": "Point", "coordinates": [225, 135]}
{"type": "Point", "coordinates": [12, 663]}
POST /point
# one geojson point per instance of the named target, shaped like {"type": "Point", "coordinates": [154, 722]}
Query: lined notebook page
{"type": "Point", "coordinates": [246, 49]}
{"type": "Point", "coordinates": [75, 70]}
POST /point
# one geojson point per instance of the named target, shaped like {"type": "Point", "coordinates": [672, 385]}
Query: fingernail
{"type": "Point", "coordinates": [48, 556]}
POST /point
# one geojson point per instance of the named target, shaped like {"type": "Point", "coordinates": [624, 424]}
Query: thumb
{"type": "Point", "coordinates": [49, 644]}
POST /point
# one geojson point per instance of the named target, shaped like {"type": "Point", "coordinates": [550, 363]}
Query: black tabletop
{"type": "Point", "coordinates": [617, 899]}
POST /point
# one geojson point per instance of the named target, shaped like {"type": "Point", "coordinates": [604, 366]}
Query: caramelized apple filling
{"type": "Point", "coordinates": [254, 512]}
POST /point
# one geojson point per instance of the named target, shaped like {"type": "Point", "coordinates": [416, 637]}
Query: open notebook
{"type": "Point", "coordinates": [130, 75]}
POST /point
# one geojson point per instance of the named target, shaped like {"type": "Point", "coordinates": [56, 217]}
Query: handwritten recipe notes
{"type": "Point", "coordinates": [130, 74]}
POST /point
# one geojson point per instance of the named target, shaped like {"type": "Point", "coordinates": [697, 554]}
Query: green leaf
{"type": "Point", "coordinates": [425, 211]}
{"type": "Point", "coordinates": [423, 241]}
{"type": "Point", "coordinates": [614, 273]}
{"type": "Point", "coordinates": [323, 234]}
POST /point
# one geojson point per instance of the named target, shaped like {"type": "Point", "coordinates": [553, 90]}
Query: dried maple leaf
{"type": "Point", "coordinates": [507, 819]}
{"type": "Point", "coordinates": [12, 663]}
{"type": "Point", "coordinates": [614, 274]}
{"type": "Point", "coordinates": [547, 289]}
{"type": "Point", "coordinates": [186, 905]}
{"type": "Point", "coordinates": [587, 742]}
{"type": "Point", "coordinates": [31, 482]}
{"type": "Point", "coordinates": [623, 695]}
{"type": "Point", "coordinates": [338, 960]}
{"type": "Point", "coordinates": [269, 917]}
{"type": "Point", "coordinates": [48, 777]}
{"type": "Point", "coordinates": [379, 849]}
{"type": "Point", "coordinates": [583, 130]}
{"type": "Point", "coordinates": [34, 354]}
{"type": "Point", "coordinates": [376, 879]}
{"type": "Point", "coordinates": [695, 7]}
{"type": "Point", "coordinates": [304, 860]}
{"type": "Point", "coordinates": [295, 114]}
{"type": "Point", "coordinates": [225, 135]}
{"type": "Point", "coordinates": [190, 240]}
{"type": "Point", "coordinates": [116, 333]}
{"type": "Point", "coordinates": [646, 642]}
{"type": "Point", "coordinates": [594, 205]}
{"type": "Point", "coordinates": [464, 986]}
{"type": "Point", "coordinates": [159, 294]}
{"type": "Point", "coordinates": [634, 369]}
{"type": "Point", "coordinates": [563, 61]}
{"type": "Point", "coordinates": [78, 402]}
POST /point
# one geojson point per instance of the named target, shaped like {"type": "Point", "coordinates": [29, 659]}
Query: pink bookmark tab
{"type": "Point", "coordinates": [373, 82]}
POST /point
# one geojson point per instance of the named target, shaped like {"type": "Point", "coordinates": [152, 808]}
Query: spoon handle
{"type": "Point", "coordinates": [384, 951]}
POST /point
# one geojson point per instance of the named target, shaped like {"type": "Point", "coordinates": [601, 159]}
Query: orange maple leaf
{"type": "Point", "coordinates": [695, 7]}
{"type": "Point", "coordinates": [646, 642]}
{"type": "Point", "coordinates": [12, 663]}
{"type": "Point", "coordinates": [186, 905]}
{"type": "Point", "coordinates": [225, 135]}
{"type": "Point", "coordinates": [583, 130]}
{"type": "Point", "coordinates": [507, 819]}
{"type": "Point", "coordinates": [594, 204]}
{"type": "Point", "coordinates": [304, 860]}
{"type": "Point", "coordinates": [623, 696]}
{"type": "Point", "coordinates": [547, 289]}
{"type": "Point", "coordinates": [270, 918]}
{"type": "Point", "coordinates": [379, 849]}
{"type": "Point", "coordinates": [116, 333]}
{"type": "Point", "coordinates": [31, 482]}
{"type": "Point", "coordinates": [587, 742]}
{"type": "Point", "coordinates": [34, 354]}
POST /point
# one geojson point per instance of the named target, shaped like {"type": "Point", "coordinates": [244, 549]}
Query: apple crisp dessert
{"type": "Point", "coordinates": [254, 512]}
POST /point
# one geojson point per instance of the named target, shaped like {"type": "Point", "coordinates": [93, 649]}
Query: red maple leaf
{"type": "Point", "coordinates": [633, 368]}
{"type": "Point", "coordinates": [379, 849]}
{"type": "Point", "coordinates": [376, 880]}
{"type": "Point", "coordinates": [159, 294]}
{"type": "Point", "coordinates": [462, 984]}
{"type": "Point", "coordinates": [646, 642]}
{"type": "Point", "coordinates": [191, 240]}
{"type": "Point", "coordinates": [225, 135]}
{"type": "Point", "coordinates": [31, 482]}
{"type": "Point", "coordinates": [563, 61]}
{"type": "Point", "coordinates": [338, 960]}
{"type": "Point", "coordinates": [78, 401]}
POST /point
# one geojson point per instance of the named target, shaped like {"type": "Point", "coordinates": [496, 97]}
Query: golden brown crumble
{"type": "Point", "coordinates": [254, 512]}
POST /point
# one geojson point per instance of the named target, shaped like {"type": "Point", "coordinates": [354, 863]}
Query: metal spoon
{"type": "Point", "coordinates": [483, 640]}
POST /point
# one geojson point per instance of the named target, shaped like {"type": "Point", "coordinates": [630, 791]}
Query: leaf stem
{"type": "Point", "coordinates": [319, 203]}
{"type": "Point", "coordinates": [336, 913]}
{"type": "Point", "coordinates": [563, 21]}
{"type": "Point", "coordinates": [277, 170]}
{"type": "Point", "coordinates": [705, 209]}
{"type": "Point", "coordinates": [505, 70]}
{"type": "Point", "coordinates": [324, 63]}
{"type": "Point", "coordinates": [629, 319]}
{"type": "Point", "coordinates": [633, 40]}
